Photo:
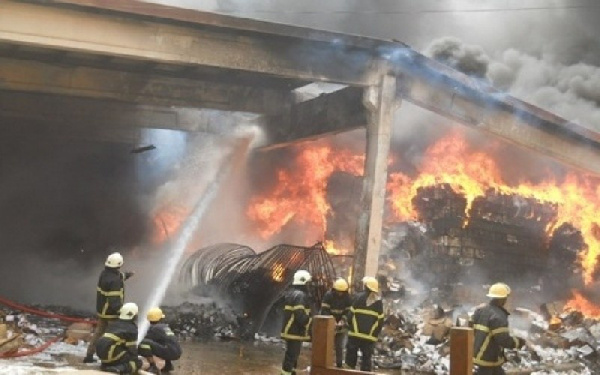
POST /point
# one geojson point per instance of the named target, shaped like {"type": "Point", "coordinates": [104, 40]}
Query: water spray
{"type": "Point", "coordinates": [180, 242]}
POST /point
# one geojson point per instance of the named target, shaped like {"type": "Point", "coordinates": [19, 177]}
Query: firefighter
{"type": "Point", "coordinates": [337, 302]}
{"type": "Point", "coordinates": [109, 298]}
{"type": "Point", "coordinates": [490, 323]}
{"type": "Point", "coordinates": [296, 321]}
{"type": "Point", "coordinates": [366, 321]}
{"type": "Point", "coordinates": [117, 348]}
{"type": "Point", "coordinates": [160, 341]}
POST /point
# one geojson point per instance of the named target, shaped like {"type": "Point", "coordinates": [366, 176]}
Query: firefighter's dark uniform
{"type": "Point", "coordinates": [365, 323]}
{"type": "Point", "coordinates": [161, 342]}
{"type": "Point", "coordinates": [109, 299]}
{"type": "Point", "coordinates": [337, 304]}
{"type": "Point", "coordinates": [490, 324]}
{"type": "Point", "coordinates": [117, 348]}
{"type": "Point", "coordinates": [296, 326]}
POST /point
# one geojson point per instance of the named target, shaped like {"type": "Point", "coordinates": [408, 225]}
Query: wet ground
{"type": "Point", "coordinates": [234, 358]}
{"type": "Point", "coordinates": [210, 358]}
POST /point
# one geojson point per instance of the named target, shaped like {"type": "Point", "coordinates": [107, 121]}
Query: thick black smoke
{"type": "Point", "coordinates": [64, 205]}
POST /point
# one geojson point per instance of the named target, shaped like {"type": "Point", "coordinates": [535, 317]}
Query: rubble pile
{"type": "Point", "coordinates": [417, 341]}
{"type": "Point", "coordinates": [26, 333]}
{"type": "Point", "coordinates": [205, 321]}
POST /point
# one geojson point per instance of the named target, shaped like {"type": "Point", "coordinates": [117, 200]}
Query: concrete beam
{"type": "Point", "coordinates": [148, 32]}
{"type": "Point", "coordinates": [331, 113]}
{"type": "Point", "coordinates": [370, 219]}
{"type": "Point", "coordinates": [101, 120]}
{"type": "Point", "coordinates": [458, 97]}
{"type": "Point", "coordinates": [34, 76]}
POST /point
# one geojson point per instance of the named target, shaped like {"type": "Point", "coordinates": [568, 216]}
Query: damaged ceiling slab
{"type": "Point", "coordinates": [148, 54]}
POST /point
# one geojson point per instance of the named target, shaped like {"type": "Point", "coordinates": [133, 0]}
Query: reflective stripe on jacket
{"type": "Point", "coordinates": [490, 324]}
{"type": "Point", "coordinates": [365, 320]}
{"type": "Point", "coordinates": [119, 340]}
{"type": "Point", "coordinates": [110, 293]}
{"type": "Point", "coordinates": [296, 316]}
{"type": "Point", "coordinates": [336, 304]}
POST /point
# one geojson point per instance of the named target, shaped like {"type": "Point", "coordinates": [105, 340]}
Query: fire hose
{"type": "Point", "coordinates": [24, 353]}
{"type": "Point", "coordinates": [43, 313]}
{"type": "Point", "coordinates": [46, 314]}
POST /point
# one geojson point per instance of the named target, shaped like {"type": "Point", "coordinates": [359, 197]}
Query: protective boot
{"type": "Point", "coordinates": [168, 366]}
{"type": "Point", "coordinates": [89, 358]}
{"type": "Point", "coordinates": [114, 369]}
{"type": "Point", "coordinates": [153, 369]}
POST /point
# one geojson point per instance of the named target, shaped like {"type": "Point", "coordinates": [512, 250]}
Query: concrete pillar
{"type": "Point", "coordinates": [368, 233]}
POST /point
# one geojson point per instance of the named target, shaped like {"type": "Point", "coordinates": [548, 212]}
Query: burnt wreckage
{"type": "Point", "coordinates": [252, 284]}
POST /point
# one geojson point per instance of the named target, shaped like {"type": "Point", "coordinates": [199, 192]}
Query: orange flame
{"type": "Point", "coordinates": [300, 193]}
{"type": "Point", "coordinates": [333, 249]}
{"type": "Point", "coordinates": [277, 272]}
{"type": "Point", "coordinates": [452, 161]}
{"type": "Point", "coordinates": [582, 304]}
{"type": "Point", "coordinates": [167, 222]}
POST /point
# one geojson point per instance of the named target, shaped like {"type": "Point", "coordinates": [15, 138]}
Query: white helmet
{"type": "Point", "coordinates": [128, 311]}
{"type": "Point", "coordinates": [114, 260]}
{"type": "Point", "coordinates": [301, 277]}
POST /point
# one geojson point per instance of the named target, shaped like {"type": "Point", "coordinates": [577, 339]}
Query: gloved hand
{"type": "Point", "coordinates": [522, 343]}
{"type": "Point", "coordinates": [128, 274]}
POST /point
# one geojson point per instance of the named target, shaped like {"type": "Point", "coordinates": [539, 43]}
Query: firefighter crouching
{"type": "Point", "coordinates": [365, 320]}
{"type": "Point", "coordinates": [109, 298]}
{"type": "Point", "coordinates": [490, 324]}
{"type": "Point", "coordinates": [337, 302]}
{"type": "Point", "coordinates": [159, 342]}
{"type": "Point", "coordinates": [117, 348]}
{"type": "Point", "coordinates": [296, 321]}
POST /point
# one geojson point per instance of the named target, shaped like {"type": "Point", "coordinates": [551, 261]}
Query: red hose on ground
{"type": "Point", "coordinates": [24, 353]}
{"type": "Point", "coordinates": [46, 314]}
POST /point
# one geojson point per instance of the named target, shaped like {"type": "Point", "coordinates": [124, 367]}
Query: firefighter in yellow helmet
{"type": "Point", "coordinates": [296, 321]}
{"type": "Point", "coordinates": [159, 342]}
{"type": "Point", "coordinates": [492, 336]}
{"type": "Point", "coordinates": [117, 348]}
{"type": "Point", "coordinates": [365, 320]}
{"type": "Point", "coordinates": [109, 298]}
{"type": "Point", "coordinates": [337, 302]}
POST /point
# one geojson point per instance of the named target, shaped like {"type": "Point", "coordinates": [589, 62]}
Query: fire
{"type": "Point", "coordinates": [277, 272]}
{"type": "Point", "coordinates": [452, 161]}
{"type": "Point", "coordinates": [333, 249]}
{"type": "Point", "coordinates": [582, 304]}
{"type": "Point", "coordinates": [167, 221]}
{"type": "Point", "coordinates": [300, 193]}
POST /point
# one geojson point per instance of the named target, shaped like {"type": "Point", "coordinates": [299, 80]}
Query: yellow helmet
{"type": "Point", "coordinates": [371, 284]}
{"type": "Point", "coordinates": [499, 290]}
{"type": "Point", "coordinates": [155, 314]}
{"type": "Point", "coordinates": [340, 285]}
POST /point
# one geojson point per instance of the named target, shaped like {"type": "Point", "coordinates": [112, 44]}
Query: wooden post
{"type": "Point", "coordinates": [461, 351]}
{"type": "Point", "coordinates": [370, 219]}
{"type": "Point", "coordinates": [323, 349]}
{"type": "Point", "coordinates": [322, 344]}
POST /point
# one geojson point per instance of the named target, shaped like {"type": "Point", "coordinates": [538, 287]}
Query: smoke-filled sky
{"type": "Point", "coordinates": [545, 52]}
